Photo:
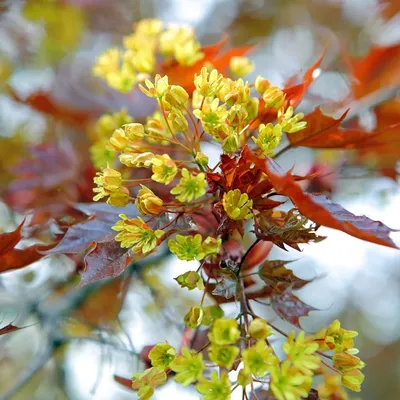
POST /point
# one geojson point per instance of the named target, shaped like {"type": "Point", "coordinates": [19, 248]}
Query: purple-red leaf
{"type": "Point", "coordinates": [289, 307]}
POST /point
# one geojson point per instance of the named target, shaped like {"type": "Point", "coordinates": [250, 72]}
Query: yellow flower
{"type": "Point", "coordinates": [259, 359]}
{"type": "Point", "coordinates": [137, 234]}
{"type": "Point", "coordinates": [188, 53]}
{"type": "Point", "coordinates": [213, 117]}
{"type": "Point", "coordinates": [300, 352]}
{"type": "Point", "coordinates": [164, 169]}
{"type": "Point", "coordinates": [190, 280]}
{"type": "Point", "coordinates": [224, 331]}
{"type": "Point", "coordinates": [187, 248]}
{"type": "Point", "coordinates": [107, 181]}
{"type": "Point", "coordinates": [190, 187]}
{"type": "Point", "coordinates": [108, 123]}
{"type": "Point", "coordinates": [161, 355]}
{"type": "Point", "coordinates": [234, 92]}
{"type": "Point", "coordinates": [217, 388]}
{"type": "Point", "coordinates": [174, 36]}
{"type": "Point", "coordinates": [145, 392]}
{"type": "Point", "coordinates": [273, 97]}
{"type": "Point", "coordinates": [223, 356]}
{"type": "Point", "coordinates": [332, 389]}
{"type": "Point", "coordinates": [261, 84]}
{"type": "Point", "coordinates": [237, 205]}
{"type": "Point", "coordinates": [194, 317]}
{"type": "Point", "coordinates": [102, 154]}
{"type": "Point", "coordinates": [244, 378]}
{"type": "Point", "coordinates": [259, 329]}
{"type": "Point", "coordinates": [118, 140]}
{"type": "Point", "coordinates": [107, 63]}
{"type": "Point", "coordinates": [290, 123]}
{"type": "Point", "coordinates": [147, 202]}
{"type": "Point", "coordinates": [137, 160]}
{"type": "Point", "coordinates": [353, 380]}
{"type": "Point", "coordinates": [287, 383]}
{"type": "Point", "coordinates": [134, 131]}
{"type": "Point", "coordinates": [177, 96]}
{"type": "Point", "coordinates": [143, 60]}
{"type": "Point", "coordinates": [151, 377]}
{"type": "Point", "coordinates": [188, 367]}
{"type": "Point", "coordinates": [201, 159]}
{"type": "Point", "coordinates": [156, 90]}
{"type": "Point", "coordinates": [211, 245]}
{"type": "Point", "coordinates": [149, 26]}
{"type": "Point", "coordinates": [156, 127]}
{"type": "Point", "coordinates": [335, 338]}
{"type": "Point", "coordinates": [207, 83]}
{"type": "Point", "coordinates": [230, 144]}
{"type": "Point", "coordinates": [177, 121]}
{"type": "Point", "coordinates": [241, 66]}
{"type": "Point", "coordinates": [211, 314]}
{"type": "Point", "coordinates": [237, 115]}
{"type": "Point", "coordinates": [119, 198]}
{"type": "Point", "coordinates": [268, 138]}
{"type": "Point", "coordinates": [346, 362]}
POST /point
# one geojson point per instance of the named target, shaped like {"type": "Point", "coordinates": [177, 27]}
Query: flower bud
{"type": "Point", "coordinates": [137, 160]}
{"type": "Point", "coordinates": [261, 84]}
{"type": "Point", "coordinates": [194, 317]}
{"type": "Point", "coordinates": [241, 66]}
{"type": "Point", "coordinates": [201, 159]}
{"type": "Point", "coordinates": [259, 329]}
{"type": "Point", "coordinates": [147, 202]}
{"type": "Point", "coordinates": [118, 140]}
{"type": "Point", "coordinates": [134, 131]}
{"type": "Point", "coordinates": [176, 96]}
{"type": "Point", "coordinates": [120, 198]}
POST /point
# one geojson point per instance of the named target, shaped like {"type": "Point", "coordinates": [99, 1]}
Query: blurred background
{"type": "Point", "coordinates": [47, 49]}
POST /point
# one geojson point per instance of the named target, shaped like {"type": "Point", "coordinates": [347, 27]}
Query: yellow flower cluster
{"type": "Point", "coordinates": [123, 68]}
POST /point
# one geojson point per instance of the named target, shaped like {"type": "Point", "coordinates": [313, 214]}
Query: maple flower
{"type": "Point", "coordinates": [237, 115]}
{"type": "Point", "coordinates": [156, 90]}
{"type": "Point", "coordinates": [188, 53]}
{"type": "Point", "coordinates": [118, 140]}
{"type": "Point", "coordinates": [273, 97]}
{"type": "Point", "coordinates": [201, 159]}
{"type": "Point", "coordinates": [147, 202]}
{"type": "Point", "coordinates": [207, 83]}
{"type": "Point", "coordinates": [230, 143]}
{"type": "Point", "coordinates": [259, 329]}
{"type": "Point", "coordinates": [212, 117]}
{"type": "Point", "coordinates": [194, 317]}
{"type": "Point", "coordinates": [102, 154]}
{"type": "Point", "coordinates": [259, 359]}
{"type": "Point", "coordinates": [244, 378]}
{"type": "Point", "coordinates": [119, 198]}
{"type": "Point", "coordinates": [137, 160]}
{"type": "Point", "coordinates": [137, 234]}
{"type": "Point", "coordinates": [147, 380]}
{"type": "Point", "coordinates": [223, 356]}
{"type": "Point", "coordinates": [217, 388]}
{"type": "Point", "coordinates": [300, 352]}
{"type": "Point", "coordinates": [176, 96]}
{"type": "Point", "coordinates": [234, 91]}
{"type": "Point", "coordinates": [107, 63]}
{"type": "Point", "coordinates": [241, 66]}
{"type": "Point", "coordinates": [353, 380]}
{"type": "Point", "coordinates": [335, 338]}
{"type": "Point", "coordinates": [332, 389]}
{"type": "Point", "coordinates": [190, 187]}
{"type": "Point", "coordinates": [290, 123]}
{"type": "Point", "coordinates": [224, 331]}
{"type": "Point", "coordinates": [190, 280]}
{"type": "Point", "coordinates": [161, 355]}
{"type": "Point", "coordinates": [188, 367]}
{"type": "Point", "coordinates": [268, 138]}
{"type": "Point", "coordinates": [149, 26]}
{"type": "Point", "coordinates": [287, 383]}
{"type": "Point", "coordinates": [261, 84]}
{"type": "Point", "coordinates": [174, 36]}
{"type": "Point", "coordinates": [108, 123]}
{"type": "Point", "coordinates": [134, 131]}
{"type": "Point", "coordinates": [211, 314]}
{"type": "Point", "coordinates": [187, 248]}
{"type": "Point", "coordinates": [237, 205]}
{"type": "Point", "coordinates": [164, 169]}
{"type": "Point", "coordinates": [107, 181]}
{"type": "Point", "coordinates": [177, 121]}
{"type": "Point", "coordinates": [347, 362]}
{"type": "Point", "coordinates": [211, 245]}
